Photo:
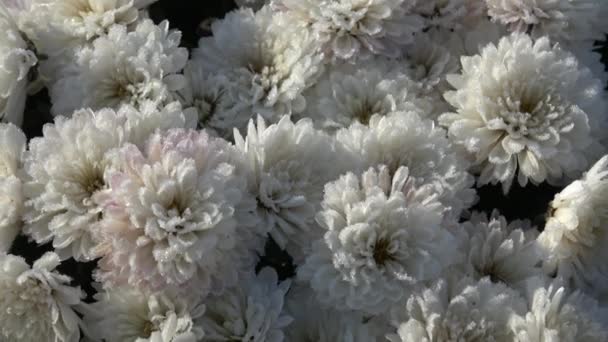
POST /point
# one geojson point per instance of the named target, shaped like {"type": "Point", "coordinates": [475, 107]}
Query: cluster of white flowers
{"type": "Point", "coordinates": [311, 170]}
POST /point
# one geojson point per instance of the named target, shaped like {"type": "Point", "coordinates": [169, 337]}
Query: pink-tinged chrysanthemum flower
{"type": "Point", "coordinates": [171, 214]}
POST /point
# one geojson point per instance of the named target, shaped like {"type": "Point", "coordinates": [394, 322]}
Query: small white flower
{"type": "Point", "coordinates": [16, 59]}
{"type": "Point", "coordinates": [349, 28]}
{"type": "Point", "coordinates": [269, 62]}
{"type": "Point", "coordinates": [559, 19]}
{"type": "Point", "coordinates": [37, 303]}
{"type": "Point", "coordinates": [125, 314]}
{"type": "Point", "coordinates": [504, 252]}
{"type": "Point", "coordinates": [313, 322]}
{"type": "Point", "coordinates": [123, 67]}
{"type": "Point", "coordinates": [251, 312]}
{"type": "Point", "coordinates": [526, 108]}
{"type": "Point", "coordinates": [13, 144]}
{"type": "Point", "coordinates": [384, 236]}
{"type": "Point", "coordinates": [556, 314]}
{"type": "Point", "coordinates": [356, 92]}
{"type": "Point", "coordinates": [576, 233]}
{"type": "Point", "coordinates": [458, 311]}
{"type": "Point", "coordinates": [176, 213]}
{"type": "Point", "coordinates": [404, 139]}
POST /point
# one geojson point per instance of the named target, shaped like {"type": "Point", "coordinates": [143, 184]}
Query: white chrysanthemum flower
{"type": "Point", "coordinates": [458, 311]}
{"type": "Point", "coordinates": [504, 252]}
{"type": "Point", "coordinates": [66, 166]}
{"type": "Point", "coordinates": [356, 92]}
{"type": "Point", "coordinates": [565, 20]}
{"type": "Point", "coordinates": [208, 94]}
{"type": "Point", "coordinates": [291, 163]}
{"type": "Point", "coordinates": [450, 14]}
{"type": "Point", "coordinates": [526, 108]}
{"type": "Point", "coordinates": [65, 170]}
{"type": "Point", "coordinates": [124, 314]}
{"type": "Point", "coordinates": [268, 63]}
{"type": "Point", "coordinates": [251, 312]}
{"type": "Point", "coordinates": [350, 28]}
{"type": "Point", "coordinates": [123, 67]}
{"type": "Point", "coordinates": [16, 59]}
{"type": "Point", "coordinates": [576, 233]}
{"type": "Point", "coordinates": [556, 314]}
{"type": "Point", "coordinates": [384, 236]}
{"type": "Point", "coordinates": [13, 143]}
{"type": "Point", "coordinates": [313, 322]}
{"type": "Point", "coordinates": [57, 27]}
{"type": "Point", "coordinates": [37, 303]}
{"type": "Point", "coordinates": [171, 213]}
{"type": "Point", "coordinates": [404, 139]}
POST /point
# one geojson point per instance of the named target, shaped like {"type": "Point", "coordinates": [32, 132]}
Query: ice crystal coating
{"type": "Point", "coordinates": [267, 65]}
{"type": "Point", "coordinates": [13, 143]}
{"type": "Point", "coordinates": [559, 19]}
{"type": "Point", "coordinates": [124, 314]}
{"type": "Point", "coordinates": [123, 67]}
{"type": "Point", "coordinates": [576, 232]}
{"type": "Point", "coordinates": [504, 252]}
{"type": "Point", "coordinates": [404, 139]}
{"type": "Point", "coordinates": [171, 212]}
{"type": "Point", "coordinates": [16, 60]}
{"type": "Point", "coordinates": [526, 108]}
{"type": "Point", "coordinates": [37, 303]}
{"type": "Point", "coordinates": [556, 314]}
{"type": "Point", "coordinates": [384, 236]}
{"type": "Point", "coordinates": [348, 28]}
{"type": "Point", "coordinates": [465, 311]}
{"type": "Point", "coordinates": [291, 163]}
{"type": "Point", "coordinates": [252, 312]}
{"type": "Point", "coordinates": [355, 92]}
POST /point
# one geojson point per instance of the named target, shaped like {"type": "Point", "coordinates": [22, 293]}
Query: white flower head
{"type": "Point", "coordinates": [313, 322]}
{"type": "Point", "coordinates": [384, 236]}
{"type": "Point", "coordinates": [291, 163]}
{"type": "Point", "coordinates": [65, 170]}
{"type": "Point", "coordinates": [125, 314]}
{"type": "Point", "coordinates": [556, 314]}
{"type": "Point", "coordinates": [526, 108]}
{"type": "Point", "coordinates": [16, 60]}
{"type": "Point", "coordinates": [13, 144]}
{"type": "Point", "coordinates": [458, 311]}
{"type": "Point", "coordinates": [565, 20]}
{"type": "Point", "coordinates": [349, 28]}
{"type": "Point", "coordinates": [404, 139]}
{"type": "Point", "coordinates": [355, 92]}
{"type": "Point", "coordinates": [208, 94]}
{"type": "Point", "coordinates": [37, 303]}
{"type": "Point", "coordinates": [576, 233]}
{"type": "Point", "coordinates": [123, 67]}
{"type": "Point", "coordinates": [268, 63]}
{"type": "Point", "coordinates": [176, 213]}
{"type": "Point", "coordinates": [503, 251]}
{"type": "Point", "coordinates": [251, 312]}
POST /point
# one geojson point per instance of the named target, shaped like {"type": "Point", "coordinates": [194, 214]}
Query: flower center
{"type": "Point", "coordinates": [148, 329]}
{"type": "Point", "coordinates": [364, 112]}
{"type": "Point", "coordinates": [382, 253]}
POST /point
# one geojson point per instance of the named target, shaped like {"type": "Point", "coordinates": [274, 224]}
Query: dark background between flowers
{"type": "Point", "coordinates": [186, 15]}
